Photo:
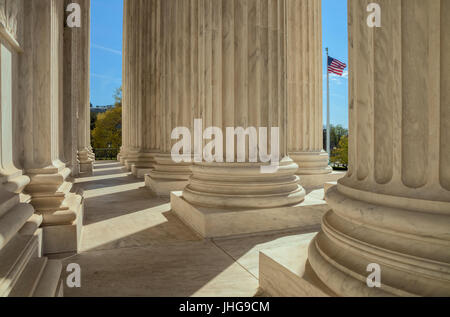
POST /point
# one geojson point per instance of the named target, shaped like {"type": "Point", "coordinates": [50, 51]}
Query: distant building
{"type": "Point", "coordinates": [101, 109]}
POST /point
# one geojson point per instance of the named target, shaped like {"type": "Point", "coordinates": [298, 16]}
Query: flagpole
{"type": "Point", "coordinates": [328, 110]}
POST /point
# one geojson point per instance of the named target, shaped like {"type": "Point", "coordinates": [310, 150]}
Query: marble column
{"type": "Point", "coordinates": [304, 93]}
{"type": "Point", "coordinates": [20, 235]}
{"type": "Point", "coordinates": [41, 68]}
{"type": "Point", "coordinates": [141, 64]}
{"type": "Point", "coordinates": [13, 214]}
{"type": "Point", "coordinates": [82, 56]}
{"type": "Point", "coordinates": [392, 207]}
{"type": "Point", "coordinates": [121, 157]}
{"type": "Point", "coordinates": [178, 91]}
{"type": "Point", "coordinates": [71, 98]}
{"type": "Point", "coordinates": [242, 83]}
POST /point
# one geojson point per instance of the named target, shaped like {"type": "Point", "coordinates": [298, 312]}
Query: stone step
{"type": "Point", "coordinates": [7, 201]}
{"type": "Point", "coordinates": [29, 279]}
{"type": "Point", "coordinates": [12, 221]}
{"type": "Point", "coordinates": [32, 224]}
{"type": "Point", "coordinates": [50, 283]}
{"type": "Point", "coordinates": [14, 258]}
{"type": "Point", "coordinates": [286, 272]}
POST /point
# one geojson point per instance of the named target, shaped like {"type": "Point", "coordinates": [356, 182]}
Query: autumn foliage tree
{"type": "Point", "coordinates": [108, 126]}
{"type": "Point", "coordinates": [339, 156]}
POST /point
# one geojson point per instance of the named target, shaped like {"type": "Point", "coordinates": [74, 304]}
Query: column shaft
{"type": "Point", "coordinates": [82, 59]}
{"type": "Point", "coordinates": [142, 85]}
{"type": "Point", "coordinates": [177, 91]}
{"type": "Point", "coordinates": [304, 91]}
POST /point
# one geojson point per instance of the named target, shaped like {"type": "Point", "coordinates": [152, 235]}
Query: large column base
{"type": "Point", "coordinates": [86, 162]}
{"type": "Point", "coordinates": [64, 238]}
{"type": "Point", "coordinates": [286, 272]}
{"type": "Point", "coordinates": [168, 176]}
{"type": "Point", "coordinates": [319, 180]}
{"type": "Point", "coordinates": [408, 238]}
{"type": "Point", "coordinates": [140, 172]}
{"type": "Point", "coordinates": [311, 163]}
{"type": "Point", "coordinates": [225, 222]}
{"type": "Point", "coordinates": [86, 167]}
{"type": "Point", "coordinates": [163, 188]}
{"type": "Point", "coordinates": [61, 207]}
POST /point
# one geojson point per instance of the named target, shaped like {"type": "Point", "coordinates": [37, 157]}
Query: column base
{"type": "Point", "coordinates": [162, 187]}
{"type": "Point", "coordinates": [86, 161]}
{"type": "Point", "coordinates": [140, 172]}
{"type": "Point", "coordinates": [87, 167]}
{"type": "Point", "coordinates": [64, 238]}
{"type": "Point", "coordinates": [137, 160]}
{"type": "Point", "coordinates": [312, 164]}
{"type": "Point", "coordinates": [286, 272]}
{"type": "Point", "coordinates": [168, 176]}
{"type": "Point", "coordinates": [61, 206]}
{"type": "Point", "coordinates": [406, 237]}
{"type": "Point", "coordinates": [226, 222]}
{"type": "Point", "coordinates": [319, 180]}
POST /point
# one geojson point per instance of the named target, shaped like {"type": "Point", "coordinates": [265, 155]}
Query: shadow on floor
{"type": "Point", "coordinates": [134, 245]}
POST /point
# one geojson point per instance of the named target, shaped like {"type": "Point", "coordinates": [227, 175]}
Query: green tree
{"type": "Point", "coordinates": [339, 155]}
{"type": "Point", "coordinates": [337, 132]}
{"type": "Point", "coordinates": [108, 129]}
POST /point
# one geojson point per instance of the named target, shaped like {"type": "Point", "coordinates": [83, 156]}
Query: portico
{"type": "Point", "coordinates": [229, 63]}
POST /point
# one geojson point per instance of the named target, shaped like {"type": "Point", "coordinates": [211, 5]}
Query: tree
{"type": "Point", "coordinates": [339, 155]}
{"type": "Point", "coordinates": [108, 129]}
{"type": "Point", "coordinates": [118, 97]}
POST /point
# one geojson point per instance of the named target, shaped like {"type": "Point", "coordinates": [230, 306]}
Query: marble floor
{"type": "Point", "coordinates": [134, 245]}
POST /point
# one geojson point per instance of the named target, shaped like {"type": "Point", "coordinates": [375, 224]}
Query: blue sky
{"type": "Point", "coordinates": [106, 50]}
{"type": "Point", "coordinates": [106, 56]}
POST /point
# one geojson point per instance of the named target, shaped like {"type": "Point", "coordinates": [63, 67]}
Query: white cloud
{"type": "Point", "coordinates": [107, 49]}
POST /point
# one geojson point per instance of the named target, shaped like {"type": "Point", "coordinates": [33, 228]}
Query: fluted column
{"type": "Point", "coordinates": [393, 206]}
{"type": "Point", "coordinates": [242, 78]}
{"type": "Point", "coordinates": [178, 91]}
{"type": "Point", "coordinates": [71, 98]}
{"type": "Point", "coordinates": [41, 90]}
{"type": "Point", "coordinates": [142, 74]}
{"type": "Point", "coordinates": [242, 66]}
{"type": "Point", "coordinates": [13, 214]}
{"type": "Point", "coordinates": [125, 84]}
{"type": "Point", "coordinates": [85, 155]}
{"type": "Point", "coordinates": [304, 91]}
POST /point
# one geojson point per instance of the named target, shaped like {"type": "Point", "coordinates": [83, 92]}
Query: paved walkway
{"type": "Point", "coordinates": [133, 245]}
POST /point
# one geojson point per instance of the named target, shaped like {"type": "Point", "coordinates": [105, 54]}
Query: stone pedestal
{"type": "Point", "coordinates": [168, 176]}
{"type": "Point", "coordinates": [392, 207]}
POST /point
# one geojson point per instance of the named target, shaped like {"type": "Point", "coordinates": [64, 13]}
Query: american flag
{"type": "Point", "coordinates": [335, 66]}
